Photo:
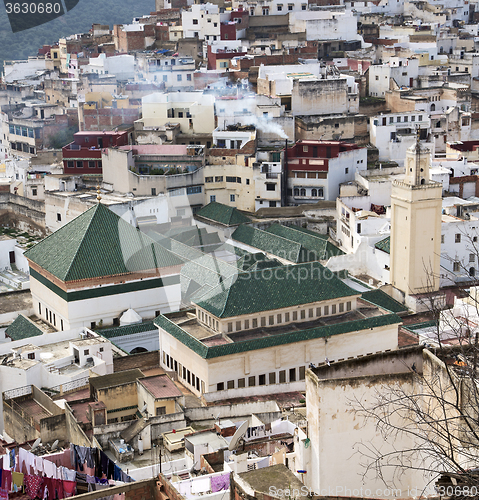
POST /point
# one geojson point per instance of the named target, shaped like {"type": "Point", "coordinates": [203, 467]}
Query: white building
{"type": "Point", "coordinates": [203, 20]}
{"type": "Point", "coordinates": [122, 66]}
{"type": "Point", "coordinates": [394, 133]}
{"type": "Point", "coordinates": [93, 269]}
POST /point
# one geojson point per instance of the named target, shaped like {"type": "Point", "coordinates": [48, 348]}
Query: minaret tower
{"type": "Point", "coordinates": [416, 207]}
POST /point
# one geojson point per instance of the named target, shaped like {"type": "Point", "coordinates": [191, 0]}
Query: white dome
{"type": "Point", "coordinates": [130, 317]}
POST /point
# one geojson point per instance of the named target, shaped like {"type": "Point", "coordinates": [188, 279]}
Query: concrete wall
{"type": "Point", "coordinates": [22, 213]}
{"type": "Point", "coordinates": [142, 361]}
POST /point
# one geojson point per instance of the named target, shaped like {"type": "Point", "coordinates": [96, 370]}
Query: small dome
{"type": "Point", "coordinates": [130, 317]}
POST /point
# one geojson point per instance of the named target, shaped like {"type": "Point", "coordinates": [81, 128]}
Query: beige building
{"type": "Point", "coordinates": [118, 392]}
{"type": "Point", "coordinates": [416, 205]}
{"type": "Point", "coordinates": [257, 332]}
{"type": "Point", "coordinates": [160, 395]}
{"type": "Point", "coordinates": [194, 111]}
{"type": "Point", "coordinates": [344, 404]}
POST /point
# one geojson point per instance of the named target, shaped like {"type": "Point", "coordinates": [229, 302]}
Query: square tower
{"type": "Point", "coordinates": [416, 205]}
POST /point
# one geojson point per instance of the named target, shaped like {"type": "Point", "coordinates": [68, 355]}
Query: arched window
{"type": "Point", "coordinates": [303, 192]}
{"type": "Point", "coordinates": [433, 107]}
{"type": "Point", "coordinates": [314, 193]}
{"type": "Point", "coordinates": [296, 192]}
{"type": "Point", "coordinates": [472, 272]}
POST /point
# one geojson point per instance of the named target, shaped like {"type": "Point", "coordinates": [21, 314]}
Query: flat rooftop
{"type": "Point", "coordinates": [188, 322]}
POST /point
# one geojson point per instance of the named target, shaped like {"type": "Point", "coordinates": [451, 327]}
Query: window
{"type": "Point", "coordinates": [251, 381]}
{"type": "Point", "coordinates": [79, 164]}
{"type": "Point", "coordinates": [271, 320]}
{"type": "Point", "coordinates": [255, 323]}
{"type": "Point", "coordinates": [247, 182]}
{"type": "Point", "coordinates": [232, 197]}
{"type": "Point", "coordinates": [179, 78]}
{"type": "Point", "coordinates": [34, 191]}
{"type": "Point", "coordinates": [91, 164]}
{"type": "Point", "coordinates": [326, 310]}
{"type": "Point", "coordinates": [442, 238]}
{"type": "Point", "coordinates": [31, 355]}
{"type": "Point", "coordinates": [377, 77]}
{"type": "Point", "coordinates": [86, 352]}
{"type": "Point", "coordinates": [333, 309]}
{"type": "Point", "coordinates": [241, 383]}
{"type": "Point", "coordinates": [341, 307]}
{"type": "Point", "coordinates": [265, 11]}
{"type": "Point", "coordinates": [303, 314]}
{"type": "Point", "coordinates": [212, 198]}
{"type": "Point", "coordinates": [295, 315]}
{"type": "Point", "coordinates": [59, 217]}
{"type": "Point", "coordinates": [193, 190]}
{"type": "Point", "coordinates": [456, 266]}
{"type": "Point", "coordinates": [278, 318]}
{"type": "Point", "coordinates": [318, 311]}
{"type": "Point", "coordinates": [290, 6]}
{"type": "Point", "coordinates": [208, 179]}
{"type": "Point", "coordinates": [292, 375]}
{"type": "Point", "coordinates": [153, 191]}
{"type": "Point", "coordinates": [246, 324]}
{"type": "Point", "coordinates": [230, 327]}
{"type": "Point", "coordinates": [270, 187]}
{"type": "Point", "coordinates": [286, 317]}
{"type": "Point", "coordinates": [161, 410]}
{"type": "Point", "coordinates": [471, 257]}
{"type": "Point", "coordinates": [282, 377]}
{"type": "Point", "coordinates": [262, 380]}
{"type": "Point", "coordinates": [311, 313]}
{"type": "Point", "coordinates": [348, 306]}
{"type": "Point", "coordinates": [238, 326]}
{"type": "Point", "coordinates": [279, 7]}
{"type": "Point", "coordinates": [220, 386]}
{"type": "Point", "coordinates": [219, 178]}
{"type": "Point", "coordinates": [272, 378]}
{"type": "Point", "coordinates": [230, 384]}
{"type": "Point", "coordinates": [302, 373]}
{"type": "Point", "coordinates": [303, 192]}
{"type": "Point", "coordinates": [457, 238]}
{"type": "Point", "coordinates": [305, 149]}
{"type": "Point", "coordinates": [165, 78]}
{"type": "Point", "coordinates": [195, 21]}
{"type": "Point", "coordinates": [303, 6]}
{"type": "Point", "coordinates": [188, 77]}
{"type": "Point", "coordinates": [263, 321]}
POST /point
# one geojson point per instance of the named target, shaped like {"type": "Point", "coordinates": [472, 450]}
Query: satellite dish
{"type": "Point", "coordinates": [240, 432]}
{"type": "Point", "coordinates": [54, 445]}
{"type": "Point", "coordinates": [36, 444]}
{"type": "Point", "coordinates": [145, 406]}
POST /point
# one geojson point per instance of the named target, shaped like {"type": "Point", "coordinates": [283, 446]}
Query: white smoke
{"type": "Point", "coordinates": [264, 124]}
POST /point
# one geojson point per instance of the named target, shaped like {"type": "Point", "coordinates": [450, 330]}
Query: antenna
{"type": "Point", "coordinates": [240, 432]}
{"type": "Point", "coordinates": [54, 445]}
{"type": "Point", "coordinates": [36, 444]}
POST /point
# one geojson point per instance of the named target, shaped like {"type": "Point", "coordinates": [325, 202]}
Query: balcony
{"type": "Point", "coordinates": [270, 175]}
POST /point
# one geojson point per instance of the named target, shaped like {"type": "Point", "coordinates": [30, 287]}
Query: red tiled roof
{"type": "Point", "coordinates": [160, 387]}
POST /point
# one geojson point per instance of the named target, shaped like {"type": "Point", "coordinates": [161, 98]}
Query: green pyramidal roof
{"type": "Point", "coordinates": [98, 243]}
{"type": "Point", "coordinates": [229, 216]}
{"type": "Point", "coordinates": [276, 288]}
{"type": "Point", "coordinates": [23, 328]}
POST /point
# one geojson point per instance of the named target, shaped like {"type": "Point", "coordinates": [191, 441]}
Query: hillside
{"type": "Point", "coordinates": [79, 20]}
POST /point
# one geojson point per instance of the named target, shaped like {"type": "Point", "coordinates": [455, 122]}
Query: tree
{"type": "Point", "coordinates": [429, 416]}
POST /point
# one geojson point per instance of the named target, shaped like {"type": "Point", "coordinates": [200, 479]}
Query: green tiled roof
{"type": "Point", "coordinates": [270, 243]}
{"type": "Point", "coordinates": [122, 331]}
{"type": "Point", "coordinates": [276, 288]}
{"type": "Point", "coordinates": [382, 299]}
{"type": "Point", "coordinates": [23, 328]}
{"type": "Point", "coordinates": [384, 245]}
{"type": "Point", "coordinates": [419, 326]}
{"type": "Point", "coordinates": [273, 340]}
{"type": "Point", "coordinates": [98, 243]}
{"type": "Point", "coordinates": [229, 216]}
{"type": "Point", "coordinates": [318, 248]}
